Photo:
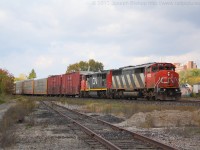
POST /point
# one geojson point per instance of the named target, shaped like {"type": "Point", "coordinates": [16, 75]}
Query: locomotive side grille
{"type": "Point", "coordinates": [128, 81]}
{"type": "Point", "coordinates": [113, 83]}
{"type": "Point", "coordinates": [140, 80]}
{"type": "Point", "coordinates": [118, 82]}
{"type": "Point", "coordinates": [124, 82]}
{"type": "Point", "coordinates": [137, 85]}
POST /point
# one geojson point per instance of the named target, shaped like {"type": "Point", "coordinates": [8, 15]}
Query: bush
{"type": "Point", "coordinates": [6, 82]}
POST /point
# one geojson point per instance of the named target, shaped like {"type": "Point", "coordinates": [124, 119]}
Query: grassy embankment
{"type": "Point", "coordinates": [3, 98]}
{"type": "Point", "coordinates": [121, 108]}
{"type": "Point", "coordinates": [150, 112]}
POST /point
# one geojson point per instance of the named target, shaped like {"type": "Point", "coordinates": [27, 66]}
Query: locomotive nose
{"type": "Point", "coordinates": [170, 78]}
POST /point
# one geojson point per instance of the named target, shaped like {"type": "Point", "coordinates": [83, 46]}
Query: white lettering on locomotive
{"type": "Point", "coordinates": [94, 80]}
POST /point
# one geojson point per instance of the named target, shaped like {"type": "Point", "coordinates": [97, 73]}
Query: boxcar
{"type": "Point", "coordinates": [28, 87]}
{"type": "Point", "coordinates": [54, 85]}
{"type": "Point", "coordinates": [71, 83]}
{"type": "Point", "coordinates": [19, 87]}
{"type": "Point", "coordinates": [40, 87]}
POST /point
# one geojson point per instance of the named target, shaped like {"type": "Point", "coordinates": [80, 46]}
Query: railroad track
{"type": "Point", "coordinates": [110, 136]}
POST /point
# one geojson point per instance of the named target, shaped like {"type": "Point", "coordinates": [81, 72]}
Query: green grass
{"type": "Point", "coordinates": [118, 108]}
{"type": "Point", "coordinates": [1, 101]}
{"type": "Point", "coordinates": [8, 98]}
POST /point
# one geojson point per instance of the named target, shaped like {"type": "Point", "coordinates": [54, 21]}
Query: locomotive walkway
{"type": "Point", "coordinates": [106, 134]}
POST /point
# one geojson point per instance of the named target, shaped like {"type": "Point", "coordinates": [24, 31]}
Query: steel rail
{"type": "Point", "coordinates": [135, 135]}
{"type": "Point", "coordinates": [92, 134]}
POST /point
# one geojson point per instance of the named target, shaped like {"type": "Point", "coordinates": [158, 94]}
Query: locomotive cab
{"type": "Point", "coordinates": [162, 82]}
{"type": "Point", "coordinates": [94, 85]}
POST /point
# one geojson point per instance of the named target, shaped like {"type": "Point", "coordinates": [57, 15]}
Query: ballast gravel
{"type": "Point", "coordinates": [46, 130]}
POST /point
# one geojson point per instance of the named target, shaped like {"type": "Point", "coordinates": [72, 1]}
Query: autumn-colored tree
{"type": "Point", "coordinates": [32, 74]}
{"type": "Point", "coordinates": [6, 82]}
{"type": "Point", "coordinates": [91, 65]}
{"type": "Point", "coordinates": [191, 76]}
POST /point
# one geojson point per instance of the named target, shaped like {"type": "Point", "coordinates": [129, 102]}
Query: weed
{"type": "Point", "coordinates": [8, 138]}
{"type": "Point", "coordinates": [118, 108]}
{"type": "Point", "coordinates": [14, 114]}
{"type": "Point", "coordinates": [30, 121]}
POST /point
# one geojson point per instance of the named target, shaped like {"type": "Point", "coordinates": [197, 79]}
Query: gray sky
{"type": "Point", "coordinates": [48, 35]}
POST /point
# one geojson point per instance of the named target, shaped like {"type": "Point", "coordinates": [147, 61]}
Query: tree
{"type": "Point", "coordinates": [32, 75]}
{"type": "Point", "coordinates": [91, 65]}
{"type": "Point", "coordinates": [191, 76]}
{"type": "Point", "coordinates": [95, 65]}
{"type": "Point", "coordinates": [21, 77]}
{"type": "Point", "coordinates": [6, 82]}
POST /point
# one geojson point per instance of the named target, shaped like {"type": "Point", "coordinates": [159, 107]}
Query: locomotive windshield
{"type": "Point", "coordinates": [158, 67]}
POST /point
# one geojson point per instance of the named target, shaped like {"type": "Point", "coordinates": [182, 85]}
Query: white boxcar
{"type": "Point", "coordinates": [19, 87]}
{"type": "Point", "coordinates": [28, 86]}
{"type": "Point", "coordinates": [40, 87]}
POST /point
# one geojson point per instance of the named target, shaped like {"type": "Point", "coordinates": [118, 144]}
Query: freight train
{"type": "Point", "coordinates": [157, 81]}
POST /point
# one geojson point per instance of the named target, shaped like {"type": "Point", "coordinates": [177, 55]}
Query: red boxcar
{"type": "Point", "coordinates": [71, 83]}
{"type": "Point", "coordinates": [54, 85]}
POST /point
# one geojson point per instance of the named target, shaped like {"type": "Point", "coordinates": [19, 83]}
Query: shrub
{"type": "Point", "coordinates": [6, 82]}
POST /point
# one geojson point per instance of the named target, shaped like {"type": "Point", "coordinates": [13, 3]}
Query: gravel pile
{"type": "Point", "coordinates": [182, 135]}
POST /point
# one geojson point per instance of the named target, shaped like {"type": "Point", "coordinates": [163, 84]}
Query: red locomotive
{"type": "Point", "coordinates": [151, 81]}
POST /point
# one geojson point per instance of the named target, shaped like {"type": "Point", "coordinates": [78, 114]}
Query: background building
{"type": "Point", "coordinates": [188, 65]}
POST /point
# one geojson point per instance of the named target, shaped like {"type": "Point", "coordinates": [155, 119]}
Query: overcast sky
{"type": "Point", "coordinates": [48, 35]}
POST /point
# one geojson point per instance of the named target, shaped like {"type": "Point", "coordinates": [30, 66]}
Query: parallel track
{"type": "Point", "coordinates": [110, 136]}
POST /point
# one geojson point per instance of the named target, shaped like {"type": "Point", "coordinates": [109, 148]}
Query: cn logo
{"type": "Point", "coordinates": [94, 80]}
